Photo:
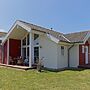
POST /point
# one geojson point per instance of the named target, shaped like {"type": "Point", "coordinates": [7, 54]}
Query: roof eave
{"type": "Point", "coordinates": [78, 42]}
{"type": "Point", "coordinates": [71, 42]}
{"type": "Point", "coordinates": [64, 41]}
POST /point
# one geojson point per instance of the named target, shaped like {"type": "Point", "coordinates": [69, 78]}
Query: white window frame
{"type": "Point", "coordinates": [83, 49]}
{"type": "Point", "coordinates": [24, 46]}
{"type": "Point", "coordinates": [62, 50]}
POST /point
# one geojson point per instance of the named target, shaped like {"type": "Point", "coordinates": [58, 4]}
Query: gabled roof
{"type": "Point", "coordinates": [56, 34]}
{"type": "Point", "coordinates": [77, 36]}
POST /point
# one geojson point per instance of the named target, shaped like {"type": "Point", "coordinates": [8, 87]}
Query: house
{"type": "Point", "coordinates": [34, 42]}
{"type": "Point", "coordinates": [2, 35]}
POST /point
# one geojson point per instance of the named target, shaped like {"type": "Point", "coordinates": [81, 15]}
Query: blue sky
{"type": "Point", "coordinates": [62, 15]}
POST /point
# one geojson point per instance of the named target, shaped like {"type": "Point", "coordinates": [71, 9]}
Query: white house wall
{"type": "Point", "coordinates": [48, 51]}
{"type": "Point", "coordinates": [62, 59]}
{"type": "Point", "coordinates": [74, 56]}
{"type": "Point", "coordinates": [51, 53]}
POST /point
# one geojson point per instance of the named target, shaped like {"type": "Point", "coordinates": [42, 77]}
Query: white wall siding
{"type": "Point", "coordinates": [51, 53]}
{"type": "Point", "coordinates": [48, 50]}
{"type": "Point", "coordinates": [74, 56]}
{"type": "Point", "coordinates": [62, 59]}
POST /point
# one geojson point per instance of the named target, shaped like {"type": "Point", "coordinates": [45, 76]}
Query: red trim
{"type": "Point", "coordinates": [5, 53]}
{"type": "Point", "coordinates": [82, 55]}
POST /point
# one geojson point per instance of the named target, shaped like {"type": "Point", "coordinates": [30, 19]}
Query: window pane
{"type": "Point", "coordinates": [36, 54]}
{"type": "Point", "coordinates": [36, 36]}
{"type": "Point", "coordinates": [24, 53]}
{"type": "Point", "coordinates": [24, 41]}
{"type": "Point", "coordinates": [28, 39]}
{"type": "Point", "coordinates": [83, 49]}
{"type": "Point", "coordinates": [62, 50]}
{"type": "Point", "coordinates": [28, 52]}
{"type": "Point", "coordinates": [0, 41]}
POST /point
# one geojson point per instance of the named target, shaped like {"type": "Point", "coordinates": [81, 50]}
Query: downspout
{"type": "Point", "coordinates": [69, 54]}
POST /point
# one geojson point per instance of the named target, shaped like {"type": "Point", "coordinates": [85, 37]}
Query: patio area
{"type": "Point", "coordinates": [18, 61]}
{"type": "Point", "coordinates": [17, 66]}
{"type": "Point", "coordinates": [17, 49]}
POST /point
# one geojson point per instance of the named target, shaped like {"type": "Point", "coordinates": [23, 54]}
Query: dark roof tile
{"type": "Point", "coordinates": [71, 37]}
{"type": "Point", "coordinates": [76, 37]}
{"type": "Point", "coordinates": [57, 35]}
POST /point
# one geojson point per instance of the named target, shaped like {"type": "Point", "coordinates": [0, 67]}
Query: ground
{"type": "Point", "coordinates": [13, 79]}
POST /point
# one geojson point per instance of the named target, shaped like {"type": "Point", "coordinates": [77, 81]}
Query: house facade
{"type": "Point", "coordinates": [56, 50]}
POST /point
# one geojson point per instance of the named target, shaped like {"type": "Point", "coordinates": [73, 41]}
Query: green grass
{"type": "Point", "coordinates": [13, 79]}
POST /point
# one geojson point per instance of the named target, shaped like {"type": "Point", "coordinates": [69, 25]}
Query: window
{"type": "Point", "coordinates": [28, 39]}
{"type": "Point", "coordinates": [36, 54]}
{"type": "Point", "coordinates": [0, 41]}
{"type": "Point", "coordinates": [24, 53]}
{"type": "Point", "coordinates": [83, 49]}
{"type": "Point", "coordinates": [28, 52]}
{"type": "Point", "coordinates": [36, 36]}
{"type": "Point", "coordinates": [25, 47]}
{"type": "Point", "coordinates": [24, 41]}
{"type": "Point", "coordinates": [62, 50]}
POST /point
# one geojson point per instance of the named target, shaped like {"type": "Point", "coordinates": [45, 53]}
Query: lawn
{"type": "Point", "coordinates": [13, 79]}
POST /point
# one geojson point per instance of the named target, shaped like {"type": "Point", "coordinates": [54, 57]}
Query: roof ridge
{"type": "Point", "coordinates": [52, 32]}
{"type": "Point", "coordinates": [32, 24]}
{"type": "Point", "coordinates": [40, 26]}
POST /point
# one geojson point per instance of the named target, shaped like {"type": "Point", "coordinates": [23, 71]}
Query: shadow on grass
{"type": "Point", "coordinates": [76, 69]}
{"type": "Point", "coordinates": [61, 70]}
{"type": "Point", "coordinates": [46, 70]}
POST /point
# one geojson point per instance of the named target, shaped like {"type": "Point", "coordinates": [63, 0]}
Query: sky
{"type": "Point", "coordinates": [65, 16]}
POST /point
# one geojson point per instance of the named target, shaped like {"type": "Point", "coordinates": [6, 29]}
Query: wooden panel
{"type": "Point", "coordinates": [89, 51]}
{"type": "Point", "coordinates": [14, 48]}
{"type": "Point", "coordinates": [0, 54]}
{"type": "Point", "coordinates": [5, 53]}
{"type": "Point", "coordinates": [89, 55]}
{"type": "Point", "coordinates": [81, 56]}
